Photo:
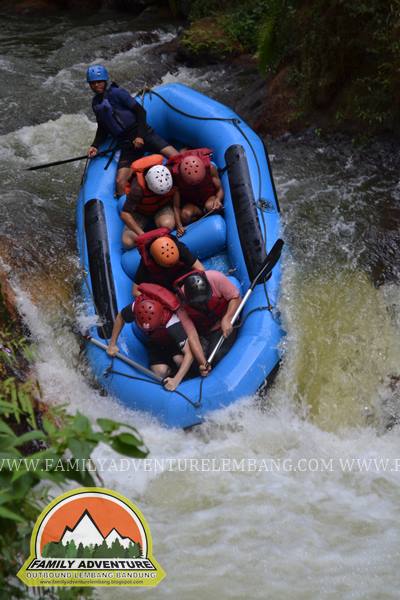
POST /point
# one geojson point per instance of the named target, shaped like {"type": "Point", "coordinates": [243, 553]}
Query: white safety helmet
{"type": "Point", "coordinates": [159, 179]}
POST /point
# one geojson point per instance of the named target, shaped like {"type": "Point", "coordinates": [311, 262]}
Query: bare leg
{"type": "Point", "coordinates": [161, 370]}
{"type": "Point", "coordinates": [128, 238]}
{"type": "Point", "coordinates": [165, 218]}
{"type": "Point", "coordinates": [169, 151]}
{"type": "Point", "coordinates": [189, 213]}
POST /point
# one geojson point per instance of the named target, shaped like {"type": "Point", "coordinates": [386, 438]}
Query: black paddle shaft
{"type": "Point", "coordinates": [68, 160]}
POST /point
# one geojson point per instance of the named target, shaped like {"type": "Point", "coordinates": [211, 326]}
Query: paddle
{"type": "Point", "coordinates": [125, 359]}
{"type": "Point", "coordinates": [67, 160]}
{"type": "Point", "coordinates": [270, 262]}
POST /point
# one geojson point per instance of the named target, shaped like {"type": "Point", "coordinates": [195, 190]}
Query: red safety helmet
{"type": "Point", "coordinates": [192, 170]}
{"type": "Point", "coordinates": [149, 314]}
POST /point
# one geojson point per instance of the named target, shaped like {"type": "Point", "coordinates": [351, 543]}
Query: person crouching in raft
{"type": "Point", "coordinates": [210, 300]}
{"type": "Point", "coordinates": [120, 116]}
{"type": "Point", "coordinates": [170, 336]}
{"type": "Point", "coordinates": [198, 183]}
{"type": "Point", "coordinates": [149, 199]}
{"type": "Point", "coordinates": [163, 259]}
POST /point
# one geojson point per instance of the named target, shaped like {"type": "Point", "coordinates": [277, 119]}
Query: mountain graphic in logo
{"type": "Point", "coordinates": [85, 540]}
{"type": "Point", "coordinates": [87, 533]}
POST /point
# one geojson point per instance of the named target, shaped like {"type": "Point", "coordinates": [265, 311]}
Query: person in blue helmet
{"type": "Point", "coordinates": [118, 114]}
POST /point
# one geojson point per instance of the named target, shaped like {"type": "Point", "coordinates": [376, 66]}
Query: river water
{"type": "Point", "coordinates": [300, 495]}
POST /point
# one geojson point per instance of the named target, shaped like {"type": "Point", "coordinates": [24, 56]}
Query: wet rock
{"type": "Point", "coordinates": [8, 308]}
{"type": "Point", "coordinates": [277, 114]}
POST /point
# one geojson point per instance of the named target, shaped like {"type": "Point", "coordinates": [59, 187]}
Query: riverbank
{"type": "Point", "coordinates": [334, 70]}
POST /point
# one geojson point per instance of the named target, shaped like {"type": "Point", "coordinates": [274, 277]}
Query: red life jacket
{"type": "Point", "coordinates": [164, 276]}
{"type": "Point", "coordinates": [170, 304]}
{"type": "Point", "coordinates": [214, 310]}
{"type": "Point", "coordinates": [195, 194]}
{"type": "Point", "coordinates": [151, 202]}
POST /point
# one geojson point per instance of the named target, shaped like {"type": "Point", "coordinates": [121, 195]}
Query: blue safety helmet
{"type": "Point", "coordinates": [96, 73]}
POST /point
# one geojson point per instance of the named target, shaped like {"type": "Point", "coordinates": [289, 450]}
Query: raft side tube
{"type": "Point", "coordinates": [103, 290]}
{"type": "Point", "coordinates": [278, 208]}
{"type": "Point", "coordinates": [244, 206]}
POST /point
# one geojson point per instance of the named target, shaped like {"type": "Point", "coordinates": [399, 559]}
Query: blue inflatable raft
{"type": "Point", "coordinates": [236, 244]}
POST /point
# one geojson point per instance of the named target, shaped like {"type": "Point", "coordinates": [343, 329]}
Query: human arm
{"type": "Point", "coordinates": [133, 199]}
{"type": "Point", "coordinates": [215, 202]}
{"type": "Point", "coordinates": [171, 383]}
{"type": "Point", "coordinates": [140, 113]}
{"type": "Point", "coordinates": [135, 290]}
{"type": "Point", "coordinates": [197, 265]}
{"type": "Point", "coordinates": [112, 347]}
{"type": "Point", "coordinates": [194, 341]}
{"type": "Point", "coordinates": [141, 118]}
{"type": "Point", "coordinates": [141, 276]}
{"type": "Point", "coordinates": [226, 325]}
{"type": "Point", "coordinates": [99, 139]}
{"type": "Point", "coordinates": [132, 104]}
{"type": "Point", "coordinates": [176, 204]}
{"type": "Point", "coordinates": [131, 223]}
{"type": "Point", "coordinates": [224, 288]}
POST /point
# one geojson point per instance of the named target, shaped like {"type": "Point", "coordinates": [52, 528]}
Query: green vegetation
{"type": "Point", "coordinates": [342, 57]}
{"type": "Point", "coordinates": [116, 550]}
{"type": "Point", "coordinates": [207, 40]}
{"type": "Point", "coordinates": [39, 447]}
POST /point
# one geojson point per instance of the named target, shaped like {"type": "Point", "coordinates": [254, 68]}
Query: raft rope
{"type": "Point", "coordinates": [111, 371]}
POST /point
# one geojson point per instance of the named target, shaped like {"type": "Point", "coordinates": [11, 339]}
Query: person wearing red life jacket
{"type": "Point", "coordinates": [210, 300]}
{"type": "Point", "coordinates": [170, 336]}
{"type": "Point", "coordinates": [198, 183]}
{"type": "Point", "coordinates": [163, 259]}
{"type": "Point", "coordinates": [149, 199]}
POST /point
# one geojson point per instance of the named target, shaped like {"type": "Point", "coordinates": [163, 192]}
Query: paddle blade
{"type": "Point", "coordinates": [270, 262]}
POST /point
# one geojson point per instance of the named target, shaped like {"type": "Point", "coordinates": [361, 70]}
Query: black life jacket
{"type": "Point", "coordinates": [112, 114]}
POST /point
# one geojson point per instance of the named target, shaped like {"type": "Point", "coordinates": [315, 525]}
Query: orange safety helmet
{"type": "Point", "coordinates": [148, 313]}
{"type": "Point", "coordinates": [164, 251]}
{"type": "Point", "coordinates": [192, 170]}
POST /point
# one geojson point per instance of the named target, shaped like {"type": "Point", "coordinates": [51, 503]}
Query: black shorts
{"type": "Point", "coordinates": [209, 342]}
{"type": "Point", "coordinates": [153, 144]}
{"type": "Point", "coordinates": [162, 354]}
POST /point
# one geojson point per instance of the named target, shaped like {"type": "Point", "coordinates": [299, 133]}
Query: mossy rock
{"type": "Point", "coordinates": [206, 42]}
